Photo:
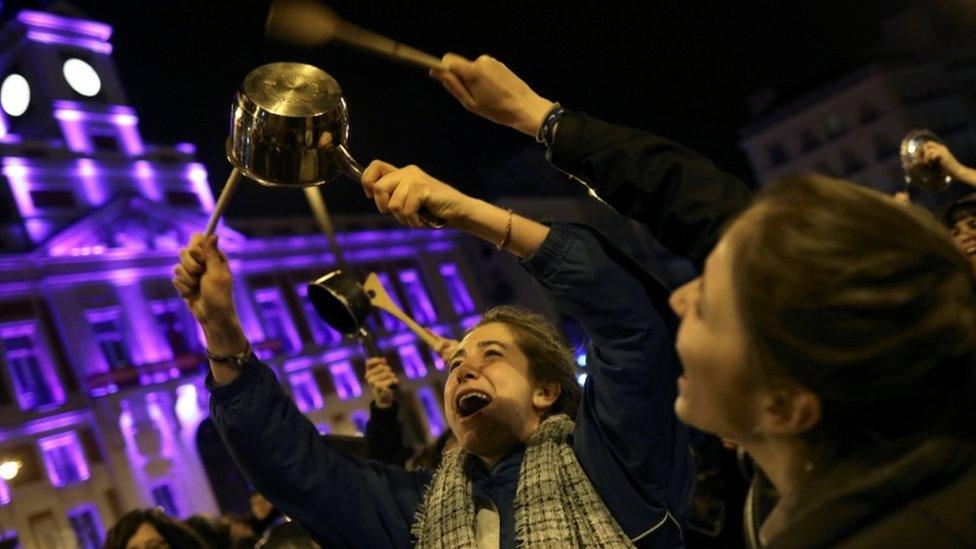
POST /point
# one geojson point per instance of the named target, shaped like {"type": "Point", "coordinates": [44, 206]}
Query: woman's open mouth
{"type": "Point", "coordinates": [470, 403]}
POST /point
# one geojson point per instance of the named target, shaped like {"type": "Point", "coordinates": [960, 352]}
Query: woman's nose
{"type": "Point", "coordinates": [466, 371]}
{"type": "Point", "coordinates": [679, 299]}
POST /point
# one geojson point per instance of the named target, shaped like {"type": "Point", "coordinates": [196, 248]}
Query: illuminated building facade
{"type": "Point", "coordinates": [852, 128]}
{"type": "Point", "coordinates": [102, 402]}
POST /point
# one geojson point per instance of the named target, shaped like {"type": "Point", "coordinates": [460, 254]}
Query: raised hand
{"type": "Point", "coordinates": [381, 379]}
{"type": "Point", "coordinates": [491, 90]}
{"type": "Point", "coordinates": [402, 192]}
{"type": "Point", "coordinates": [203, 280]}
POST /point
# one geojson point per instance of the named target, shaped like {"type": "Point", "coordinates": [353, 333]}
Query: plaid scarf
{"type": "Point", "coordinates": [555, 504]}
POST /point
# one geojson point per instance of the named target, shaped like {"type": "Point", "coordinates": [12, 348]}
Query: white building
{"type": "Point", "coordinates": [102, 402]}
{"type": "Point", "coordinates": [852, 128]}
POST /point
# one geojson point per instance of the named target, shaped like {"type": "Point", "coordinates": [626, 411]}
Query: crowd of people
{"type": "Point", "coordinates": [830, 339]}
{"type": "Point", "coordinates": [263, 528]}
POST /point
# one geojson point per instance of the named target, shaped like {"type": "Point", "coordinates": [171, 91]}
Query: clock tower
{"type": "Point", "coordinates": [69, 140]}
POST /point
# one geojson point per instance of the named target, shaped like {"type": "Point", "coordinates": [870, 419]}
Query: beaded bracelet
{"type": "Point", "coordinates": [508, 232]}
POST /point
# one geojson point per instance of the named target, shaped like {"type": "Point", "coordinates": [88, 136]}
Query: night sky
{"type": "Point", "coordinates": [680, 68]}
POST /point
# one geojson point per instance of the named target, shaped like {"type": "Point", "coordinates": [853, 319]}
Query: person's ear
{"type": "Point", "coordinates": [790, 409]}
{"type": "Point", "coordinates": [545, 395]}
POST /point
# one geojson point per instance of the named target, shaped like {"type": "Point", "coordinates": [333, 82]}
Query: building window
{"type": "Point", "coordinates": [4, 493]}
{"type": "Point", "coordinates": [87, 526]}
{"type": "Point", "coordinates": [390, 323]}
{"type": "Point", "coordinates": [359, 419]}
{"type": "Point", "coordinates": [850, 163]}
{"type": "Point", "coordinates": [107, 329]}
{"type": "Point", "coordinates": [64, 459]}
{"type": "Point", "coordinates": [276, 320]}
{"type": "Point", "coordinates": [306, 392]}
{"type": "Point", "coordinates": [35, 382]}
{"type": "Point", "coordinates": [162, 495]}
{"type": "Point", "coordinates": [432, 409]}
{"type": "Point", "coordinates": [105, 142]}
{"type": "Point", "coordinates": [808, 141]}
{"type": "Point", "coordinates": [413, 362]}
{"type": "Point", "coordinates": [883, 148]}
{"type": "Point", "coordinates": [171, 317]}
{"type": "Point", "coordinates": [777, 155]}
{"type": "Point", "coordinates": [53, 199]}
{"type": "Point", "coordinates": [869, 114]}
{"type": "Point", "coordinates": [834, 126]}
{"type": "Point", "coordinates": [457, 289]}
{"type": "Point", "coordinates": [322, 333]}
{"type": "Point", "coordinates": [345, 381]}
{"type": "Point", "coordinates": [420, 306]}
{"type": "Point", "coordinates": [182, 198]}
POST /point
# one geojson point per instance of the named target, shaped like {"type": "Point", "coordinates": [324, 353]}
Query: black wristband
{"type": "Point", "coordinates": [237, 360]}
{"type": "Point", "coordinates": [547, 131]}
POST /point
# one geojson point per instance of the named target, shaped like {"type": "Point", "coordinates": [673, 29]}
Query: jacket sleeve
{"type": "Point", "coordinates": [384, 435]}
{"type": "Point", "coordinates": [679, 195]}
{"type": "Point", "coordinates": [627, 436]}
{"type": "Point", "coordinates": [341, 500]}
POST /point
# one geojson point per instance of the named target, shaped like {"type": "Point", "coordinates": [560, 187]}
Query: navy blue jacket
{"type": "Point", "coordinates": [627, 438]}
{"type": "Point", "coordinates": [684, 199]}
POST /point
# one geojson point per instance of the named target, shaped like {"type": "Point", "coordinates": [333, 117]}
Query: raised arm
{"type": "Point", "coordinates": [341, 500]}
{"type": "Point", "coordinates": [940, 155]}
{"type": "Point", "coordinates": [626, 426]}
{"type": "Point", "coordinates": [681, 196]}
{"type": "Point", "coordinates": [402, 192]}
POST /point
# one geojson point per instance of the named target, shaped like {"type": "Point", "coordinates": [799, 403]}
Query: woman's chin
{"type": "Point", "coordinates": [682, 408]}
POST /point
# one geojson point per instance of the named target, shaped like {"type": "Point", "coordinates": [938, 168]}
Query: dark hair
{"type": "Point", "coordinates": [549, 355]}
{"type": "Point", "coordinates": [214, 533]}
{"type": "Point", "coordinates": [429, 457]}
{"type": "Point", "coordinates": [958, 209]}
{"type": "Point", "coordinates": [175, 534]}
{"type": "Point", "coordinates": [864, 302]}
{"type": "Point", "coordinates": [287, 535]}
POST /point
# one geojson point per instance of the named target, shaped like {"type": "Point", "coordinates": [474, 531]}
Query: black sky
{"type": "Point", "coordinates": [680, 68]}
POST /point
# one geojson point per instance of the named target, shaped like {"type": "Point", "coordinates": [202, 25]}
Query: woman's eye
{"type": "Point", "coordinates": [492, 352]}
{"type": "Point", "coordinates": [454, 364]}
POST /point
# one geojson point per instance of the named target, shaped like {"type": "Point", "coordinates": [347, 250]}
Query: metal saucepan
{"type": "Point", "coordinates": [344, 304]}
{"type": "Point", "coordinates": [929, 176]}
{"type": "Point", "coordinates": [289, 127]}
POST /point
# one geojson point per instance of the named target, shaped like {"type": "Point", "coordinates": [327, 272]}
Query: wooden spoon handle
{"type": "Point", "coordinates": [380, 299]}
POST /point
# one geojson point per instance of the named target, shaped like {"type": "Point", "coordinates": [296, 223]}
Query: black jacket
{"type": "Point", "coordinates": [683, 199]}
{"type": "Point", "coordinates": [923, 497]}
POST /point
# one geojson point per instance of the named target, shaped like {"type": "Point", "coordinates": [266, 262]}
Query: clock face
{"type": "Point", "coordinates": [14, 94]}
{"type": "Point", "coordinates": [82, 77]}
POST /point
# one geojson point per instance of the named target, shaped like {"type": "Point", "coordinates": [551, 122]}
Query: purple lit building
{"type": "Point", "coordinates": [101, 367]}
